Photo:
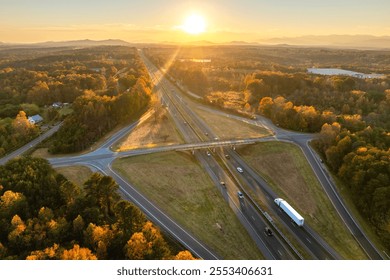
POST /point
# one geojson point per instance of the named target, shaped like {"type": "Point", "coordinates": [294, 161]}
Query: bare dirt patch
{"type": "Point", "coordinates": [159, 129]}
{"type": "Point", "coordinates": [227, 128]}
{"type": "Point", "coordinates": [42, 153]}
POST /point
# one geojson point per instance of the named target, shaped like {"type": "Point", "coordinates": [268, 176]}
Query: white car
{"type": "Point", "coordinates": [208, 153]}
{"type": "Point", "coordinates": [239, 169]}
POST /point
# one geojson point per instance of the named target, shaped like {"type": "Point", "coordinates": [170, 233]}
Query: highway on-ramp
{"type": "Point", "coordinates": [191, 127]}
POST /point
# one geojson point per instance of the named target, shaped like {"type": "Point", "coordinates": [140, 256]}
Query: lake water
{"type": "Point", "coordinates": [336, 71]}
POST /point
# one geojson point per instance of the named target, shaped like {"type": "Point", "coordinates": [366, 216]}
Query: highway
{"type": "Point", "coordinates": [191, 132]}
{"type": "Point", "coordinates": [312, 245]}
{"type": "Point", "coordinates": [194, 131]}
{"type": "Point", "coordinates": [302, 140]}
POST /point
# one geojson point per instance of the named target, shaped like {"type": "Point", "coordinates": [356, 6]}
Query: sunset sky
{"type": "Point", "coordinates": [163, 20]}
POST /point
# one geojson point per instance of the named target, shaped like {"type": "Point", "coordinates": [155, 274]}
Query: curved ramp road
{"type": "Point", "coordinates": [193, 130]}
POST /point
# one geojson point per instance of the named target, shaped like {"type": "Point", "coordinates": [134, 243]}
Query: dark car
{"type": "Point", "coordinates": [268, 231]}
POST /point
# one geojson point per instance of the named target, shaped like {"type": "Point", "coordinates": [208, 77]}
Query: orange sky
{"type": "Point", "coordinates": [158, 20]}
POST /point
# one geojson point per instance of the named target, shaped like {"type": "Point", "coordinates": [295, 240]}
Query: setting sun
{"type": "Point", "coordinates": [194, 24]}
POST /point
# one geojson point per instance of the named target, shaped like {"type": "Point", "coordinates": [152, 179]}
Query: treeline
{"type": "Point", "coordinates": [336, 94]}
{"type": "Point", "coordinates": [15, 132]}
{"type": "Point", "coordinates": [93, 116]}
{"type": "Point", "coordinates": [351, 114]}
{"type": "Point", "coordinates": [273, 58]}
{"type": "Point", "coordinates": [62, 76]}
{"type": "Point", "coordinates": [52, 76]}
{"type": "Point", "coordinates": [44, 216]}
{"type": "Point", "coordinates": [31, 80]}
{"type": "Point", "coordinates": [361, 160]}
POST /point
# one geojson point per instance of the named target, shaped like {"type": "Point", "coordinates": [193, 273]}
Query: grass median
{"type": "Point", "coordinates": [180, 187]}
{"type": "Point", "coordinates": [229, 128]}
{"type": "Point", "coordinates": [158, 130]}
{"type": "Point", "coordinates": [286, 169]}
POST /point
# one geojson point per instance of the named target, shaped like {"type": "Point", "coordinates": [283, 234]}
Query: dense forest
{"type": "Point", "coordinates": [44, 216]}
{"type": "Point", "coordinates": [94, 115]}
{"type": "Point", "coordinates": [351, 115]}
{"type": "Point", "coordinates": [15, 132]}
{"type": "Point", "coordinates": [111, 81]}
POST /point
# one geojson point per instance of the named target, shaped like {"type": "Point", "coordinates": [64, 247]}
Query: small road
{"type": "Point", "coordinates": [30, 145]}
{"type": "Point", "coordinates": [188, 123]}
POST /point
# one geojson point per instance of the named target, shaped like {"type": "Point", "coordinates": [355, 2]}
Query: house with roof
{"type": "Point", "coordinates": [57, 105]}
{"type": "Point", "coordinates": [35, 119]}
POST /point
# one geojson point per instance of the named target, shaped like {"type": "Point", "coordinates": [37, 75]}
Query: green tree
{"type": "Point", "coordinates": [102, 191]}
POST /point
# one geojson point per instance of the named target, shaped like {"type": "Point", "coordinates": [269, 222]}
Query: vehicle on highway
{"type": "Point", "coordinates": [240, 195]}
{"type": "Point", "coordinates": [239, 169]}
{"type": "Point", "coordinates": [223, 184]}
{"type": "Point", "coordinates": [291, 212]}
{"type": "Point", "coordinates": [268, 231]}
{"type": "Point", "coordinates": [208, 153]}
{"type": "Point", "coordinates": [227, 156]}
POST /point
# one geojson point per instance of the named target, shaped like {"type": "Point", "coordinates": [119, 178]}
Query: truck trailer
{"type": "Point", "coordinates": [294, 215]}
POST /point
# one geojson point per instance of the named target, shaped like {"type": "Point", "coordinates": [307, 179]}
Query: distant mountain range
{"type": "Point", "coordinates": [84, 43]}
{"type": "Point", "coordinates": [329, 41]}
{"type": "Point", "coordinates": [348, 41]}
{"type": "Point", "coordinates": [76, 43]}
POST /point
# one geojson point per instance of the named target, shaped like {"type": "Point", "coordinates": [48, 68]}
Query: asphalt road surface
{"type": "Point", "coordinates": [192, 127]}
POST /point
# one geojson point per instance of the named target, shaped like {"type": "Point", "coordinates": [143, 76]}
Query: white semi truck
{"type": "Point", "coordinates": [294, 215]}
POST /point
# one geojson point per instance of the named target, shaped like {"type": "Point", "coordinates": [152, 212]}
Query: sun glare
{"type": "Point", "coordinates": [194, 24]}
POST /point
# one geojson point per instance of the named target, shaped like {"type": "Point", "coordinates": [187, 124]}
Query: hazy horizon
{"type": "Point", "coordinates": [26, 21]}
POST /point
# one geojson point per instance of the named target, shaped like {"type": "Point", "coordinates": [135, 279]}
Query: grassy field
{"type": "Point", "coordinates": [227, 128]}
{"type": "Point", "coordinates": [157, 130]}
{"type": "Point", "coordinates": [77, 174]}
{"type": "Point", "coordinates": [286, 169]}
{"type": "Point", "coordinates": [64, 111]}
{"type": "Point", "coordinates": [178, 185]}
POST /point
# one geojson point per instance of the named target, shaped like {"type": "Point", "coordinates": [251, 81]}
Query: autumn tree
{"type": "Point", "coordinates": [147, 244]}
{"type": "Point", "coordinates": [99, 238]}
{"type": "Point", "coordinates": [78, 253]}
{"type": "Point", "coordinates": [184, 255]}
{"type": "Point", "coordinates": [50, 253]}
{"type": "Point", "coordinates": [22, 127]}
